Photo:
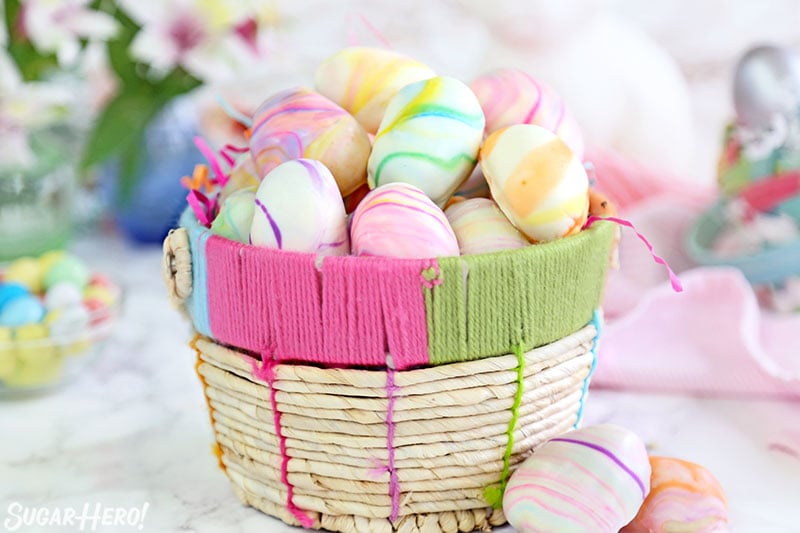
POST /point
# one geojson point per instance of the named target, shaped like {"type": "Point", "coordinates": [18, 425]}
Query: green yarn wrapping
{"type": "Point", "coordinates": [488, 302]}
{"type": "Point", "coordinates": [494, 493]}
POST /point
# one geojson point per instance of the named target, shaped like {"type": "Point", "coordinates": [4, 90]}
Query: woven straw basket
{"type": "Point", "coordinates": [402, 436]}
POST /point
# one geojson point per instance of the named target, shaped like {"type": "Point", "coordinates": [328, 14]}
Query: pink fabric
{"type": "Point", "coordinates": [711, 339]}
{"type": "Point", "coordinates": [351, 313]}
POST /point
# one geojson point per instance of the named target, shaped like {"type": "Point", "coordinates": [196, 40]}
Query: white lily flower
{"type": "Point", "coordinates": [58, 25]}
{"type": "Point", "coordinates": [198, 35]}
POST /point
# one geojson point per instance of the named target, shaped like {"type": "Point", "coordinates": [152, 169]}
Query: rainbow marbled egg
{"type": "Point", "coordinates": [537, 181]}
{"type": "Point", "coordinates": [683, 497]}
{"type": "Point", "coordinates": [481, 227]}
{"type": "Point", "coordinates": [236, 216]}
{"type": "Point", "coordinates": [399, 220]}
{"type": "Point", "coordinates": [299, 123]}
{"type": "Point", "coordinates": [510, 96]}
{"type": "Point", "coordinates": [243, 174]}
{"type": "Point", "coordinates": [591, 479]}
{"type": "Point", "coordinates": [362, 80]}
{"type": "Point", "coordinates": [429, 137]}
{"type": "Point", "coordinates": [298, 208]}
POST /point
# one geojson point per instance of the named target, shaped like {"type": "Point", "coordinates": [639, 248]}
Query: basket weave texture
{"type": "Point", "coordinates": [381, 450]}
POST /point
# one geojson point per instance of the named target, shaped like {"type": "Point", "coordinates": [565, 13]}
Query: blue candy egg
{"type": "Point", "coordinates": [11, 291]}
{"type": "Point", "coordinates": [20, 311]}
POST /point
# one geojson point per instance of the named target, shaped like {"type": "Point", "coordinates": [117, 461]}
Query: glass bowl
{"type": "Point", "coordinates": [34, 360]}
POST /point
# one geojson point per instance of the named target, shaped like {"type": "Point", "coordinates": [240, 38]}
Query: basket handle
{"type": "Point", "coordinates": [176, 267]}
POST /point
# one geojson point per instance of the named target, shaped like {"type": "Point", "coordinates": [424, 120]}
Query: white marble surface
{"type": "Point", "coordinates": [134, 429]}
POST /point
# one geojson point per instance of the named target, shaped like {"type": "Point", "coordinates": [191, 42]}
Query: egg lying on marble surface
{"type": "Point", "coordinates": [236, 216]}
{"type": "Point", "coordinates": [299, 123]}
{"type": "Point", "coordinates": [298, 207]}
{"type": "Point", "coordinates": [591, 479]}
{"type": "Point", "coordinates": [362, 80]}
{"type": "Point", "coordinates": [537, 181]}
{"type": "Point", "coordinates": [243, 175]}
{"type": "Point", "coordinates": [510, 96]}
{"type": "Point", "coordinates": [429, 138]}
{"type": "Point", "coordinates": [399, 220]}
{"type": "Point", "coordinates": [684, 497]}
{"type": "Point", "coordinates": [481, 227]}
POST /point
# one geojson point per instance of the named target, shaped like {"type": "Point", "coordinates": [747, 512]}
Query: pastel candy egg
{"type": "Point", "coordinates": [21, 311]}
{"type": "Point", "coordinates": [62, 294]}
{"type": "Point", "coordinates": [298, 207]}
{"type": "Point", "coordinates": [683, 497]}
{"type": "Point", "coordinates": [106, 295]}
{"type": "Point", "coordinates": [299, 123]}
{"type": "Point", "coordinates": [68, 269]}
{"type": "Point", "coordinates": [399, 220]}
{"type": "Point", "coordinates": [236, 216]}
{"type": "Point", "coordinates": [481, 227]}
{"type": "Point", "coordinates": [591, 479]}
{"type": "Point", "coordinates": [38, 362]}
{"type": "Point", "coordinates": [11, 291]}
{"type": "Point", "coordinates": [362, 80]}
{"type": "Point", "coordinates": [26, 271]}
{"type": "Point", "coordinates": [537, 181]}
{"type": "Point", "coordinates": [429, 138]}
{"type": "Point", "coordinates": [510, 96]}
{"type": "Point", "coordinates": [243, 175]}
{"type": "Point", "coordinates": [7, 359]}
{"type": "Point", "coordinates": [68, 322]}
{"type": "Point", "coordinates": [48, 259]}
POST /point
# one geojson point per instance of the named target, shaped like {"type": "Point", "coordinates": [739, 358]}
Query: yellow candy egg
{"type": "Point", "coordinates": [537, 181]}
{"type": "Point", "coordinates": [100, 293]}
{"type": "Point", "coordinates": [26, 271]}
{"type": "Point", "coordinates": [7, 361]}
{"type": "Point", "coordinates": [48, 259]}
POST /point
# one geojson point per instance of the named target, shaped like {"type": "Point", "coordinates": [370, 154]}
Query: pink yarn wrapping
{"type": "Point", "coordinates": [394, 483]}
{"type": "Point", "coordinates": [673, 278]}
{"type": "Point", "coordinates": [351, 312]}
{"type": "Point", "coordinates": [266, 372]}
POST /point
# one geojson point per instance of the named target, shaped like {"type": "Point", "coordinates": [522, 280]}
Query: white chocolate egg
{"type": "Point", "coordinates": [299, 123]}
{"type": "Point", "coordinates": [429, 138]}
{"type": "Point", "coordinates": [298, 207]}
{"type": "Point", "coordinates": [236, 216]}
{"type": "Point", "coordinates": [683, 497]}
{"type": "Point", "coordinates": [362, 80]}
{"type": "Point", "coordinates": [399, 220]}
{"type": "Point", "coordinates": [510, 96]}
{"type": "Point", "coordinates": [481, 227]}
{"type": "Point", "coordinates": [537, 181]}
{"type": "Point", "coordinates": [591, 479]}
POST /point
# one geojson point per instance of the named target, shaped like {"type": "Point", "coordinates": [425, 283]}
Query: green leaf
{"type": "Point", "coordinates": [120, 126]}
{"type": "Point", "coordinates": [118, 50]}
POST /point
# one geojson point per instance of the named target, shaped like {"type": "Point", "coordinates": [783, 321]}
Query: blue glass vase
{"type": "Point", "coordinates": [151, 208]}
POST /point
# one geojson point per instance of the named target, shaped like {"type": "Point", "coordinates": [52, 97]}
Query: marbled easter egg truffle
{"type": "Point", "coordinates": [298, 208]}
{"type": "Point", "coordinates": [537, 181]}
{"type": "Point", "coordinates": [510, 96]}
{"type": "Point", "coordinates": [591, 479]}
{"type": "Point", "coordinates": [236, 216]}
{"type": "Point", "coordinates": [429, 138]}
{"type": "Point", "coordinates": [481, 227]}
{"type": "Point", "coordinates": [299, 123]}
{"type": "Point", "coordinates": [399, 220]}
{"type": "Point", "coordinates": [684, 497]}
{"type": "Point", "coordinates": [362, 80]}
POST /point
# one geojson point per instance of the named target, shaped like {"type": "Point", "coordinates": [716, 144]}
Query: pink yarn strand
{"type": "Point", "coordinates": [673, 278]}
{"type": "Point", "coordinates": [266, 372]}
{"type": "Point", "coordinates": [394, 484]}
{"type": "Point", "coordinates": [220, 177]}
{"type": "Point", "coordinates": [352, 38]}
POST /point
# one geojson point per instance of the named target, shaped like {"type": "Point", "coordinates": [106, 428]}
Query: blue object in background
{"type": "Point", "coordinates": [20, 311]}
{"type": "Point", "coordinates": [157, 199]}
{"type": "Point", "coordinates": [11, 291]}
